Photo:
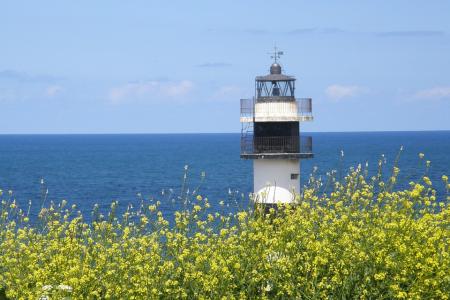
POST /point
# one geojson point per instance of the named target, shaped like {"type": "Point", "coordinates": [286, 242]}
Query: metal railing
{"type": "Point", "coordinates": [304, 107]}
{"type": "Point", "coordinates": [276, 144]}
{"type": "Point", "coordinates": [276, 98]}
{"type": "Point", "coordinates": [247, 108]}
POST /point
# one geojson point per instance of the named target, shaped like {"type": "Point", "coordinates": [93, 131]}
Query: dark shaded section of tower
{"type": "Point", "coordinates": [276, 129]}
{"type": "Point", "coordinates": [276, 137]}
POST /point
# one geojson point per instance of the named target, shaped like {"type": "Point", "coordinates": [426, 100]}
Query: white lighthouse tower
{"type": "Point", "coordinates": [271, 135]}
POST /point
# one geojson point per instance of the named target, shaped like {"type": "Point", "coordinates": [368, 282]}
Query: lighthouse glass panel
{"type": "Point", "coordinates": [274, 89]}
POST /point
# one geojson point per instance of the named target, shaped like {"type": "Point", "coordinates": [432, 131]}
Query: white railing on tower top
{"type": "Point", "coordinates": [299, 107]}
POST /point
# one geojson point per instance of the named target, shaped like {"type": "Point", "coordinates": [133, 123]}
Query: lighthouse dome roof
{"type": "Point", "coordinates": [275, 68]}
{"type": "Point", "coordinates": [275, 74]}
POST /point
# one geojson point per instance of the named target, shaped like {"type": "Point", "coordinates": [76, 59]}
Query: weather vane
{"type": "Point", "coordinates": [275, 55]}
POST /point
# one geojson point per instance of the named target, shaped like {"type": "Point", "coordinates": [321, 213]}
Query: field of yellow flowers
{"type": "Point", "coordinates": [363, 239]}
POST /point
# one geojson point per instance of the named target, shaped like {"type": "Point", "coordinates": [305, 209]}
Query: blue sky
{"type": "Point", "coordinates": [182, 66]}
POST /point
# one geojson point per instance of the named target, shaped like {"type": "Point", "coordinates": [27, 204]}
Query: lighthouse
{"type": "Point", "coordinates": [270, 135]}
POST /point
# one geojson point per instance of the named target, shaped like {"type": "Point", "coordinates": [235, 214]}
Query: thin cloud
{"type": "Point", "coordinates": [339, 31]}
{"type": "Point", "coordinates": [298, 31]}
{"type": "Point", "coordinates": [338, 92]}
{"type": "Point", "coordinates": [303, 31]}
{"type": "Point", "coordinates": [393, 33]}
{"type": "Point", "coordinates": [12, 75]}
{"type": "Point", "coordinates": [214, 65]}
{"type": "Point", "coordinates": [149, 91]}
{"type": "Point", "coordinates": [411, 33]}
{"type": "Point", "coordinates": [53, 90]}
{"type": "Point", "coordinates": [435, 93]}
{"type": "Point", "coordinates": [336, 31]}
{"type": "Point", "coordinates": [317, 30]}
{"type": "Point", "coordinates": [17, 86]}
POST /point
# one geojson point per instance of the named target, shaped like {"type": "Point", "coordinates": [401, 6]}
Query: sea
{"type": "Point", "coordinates": [89, 169]}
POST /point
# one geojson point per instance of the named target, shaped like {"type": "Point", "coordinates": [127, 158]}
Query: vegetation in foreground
{"type": "Point", "coordinates": [363, 240]}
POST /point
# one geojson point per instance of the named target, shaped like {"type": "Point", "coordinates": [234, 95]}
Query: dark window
{"type": "Point", "coordinates": [294, 176]}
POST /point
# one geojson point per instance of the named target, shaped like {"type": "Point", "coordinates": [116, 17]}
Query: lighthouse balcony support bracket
{"type": "Point", "coordinates": [276, 147]}
{"type": "Point", "coordinates": [266, 110]}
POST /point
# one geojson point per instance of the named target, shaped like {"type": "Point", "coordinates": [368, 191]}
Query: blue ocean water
{"type": "Point", "coordinates": [89, 169]}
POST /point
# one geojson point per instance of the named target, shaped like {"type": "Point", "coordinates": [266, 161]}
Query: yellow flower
{"type": "Point", "coordinates": [396, 170]}
{"type": "Point", "coordinates": [210, 218]}
{"type": "Point", "coordinates": [310, 250]}
{"type": "Point", "coordinates": [241, 216]}
{"type": "Point", "coordinates": [427, 180]}
{"type": "Point", "coordinates": [144, 220]}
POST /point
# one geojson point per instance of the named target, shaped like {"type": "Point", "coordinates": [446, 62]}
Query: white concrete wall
{"type": "Point", "coordinates": [276, 111]}
{"type": "Point", "coordinates": [272, 180]}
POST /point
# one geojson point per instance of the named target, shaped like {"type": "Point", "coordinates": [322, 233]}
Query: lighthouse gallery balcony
{"type": "Point", "coordinates": [293, 147]}
{"type": "Point", "coordinates": [268, 110]}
